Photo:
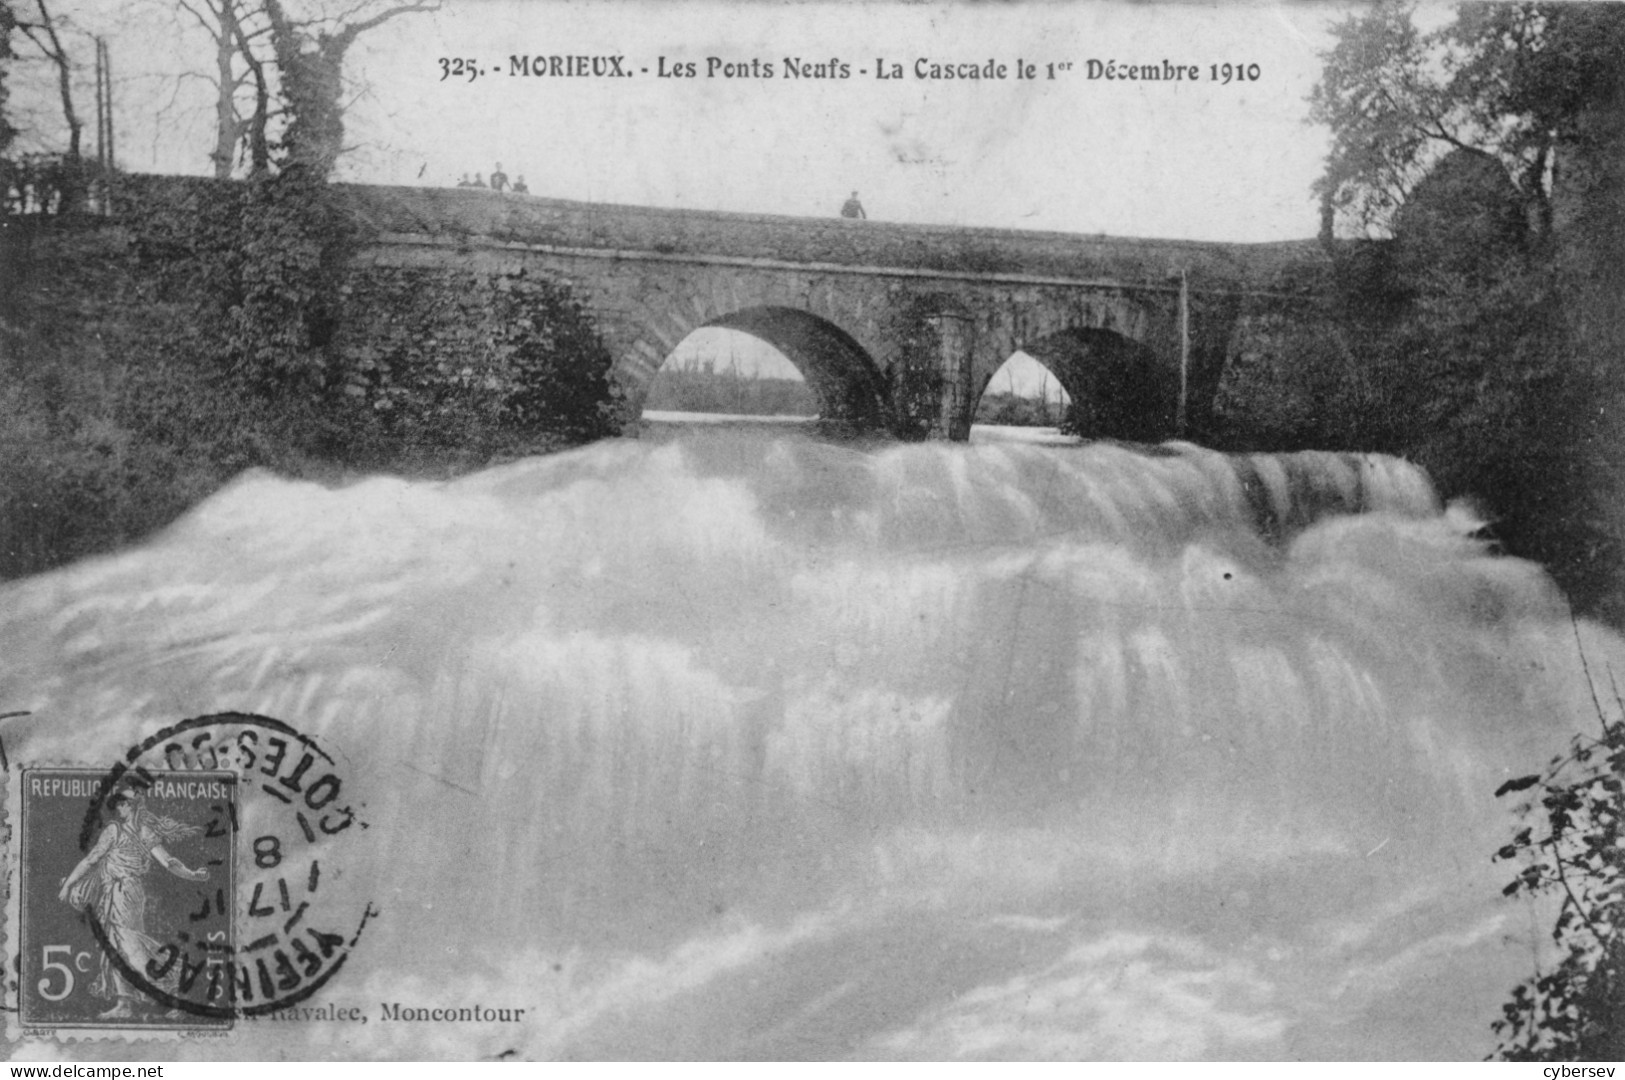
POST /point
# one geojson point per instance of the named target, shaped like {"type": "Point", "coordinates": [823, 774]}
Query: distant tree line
{"type": "Point", "coordinates": [1019, 410]}
{"type": "Point", "coordinates": [702, 387]}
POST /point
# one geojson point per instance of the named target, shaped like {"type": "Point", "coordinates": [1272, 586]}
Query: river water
{"type": "Point", "coordinates": [744, 744]}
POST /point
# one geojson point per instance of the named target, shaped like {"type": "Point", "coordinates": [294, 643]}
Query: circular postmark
{"type": "Point", "coordinates": [254, 924]}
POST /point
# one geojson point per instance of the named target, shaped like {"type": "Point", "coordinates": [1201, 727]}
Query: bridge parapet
{"type": "Point", "coordinates": [469, 214]}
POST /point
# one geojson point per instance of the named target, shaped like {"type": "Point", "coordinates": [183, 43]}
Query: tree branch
{"type": "Point", "coordinates": [64, 77]}
{"type": "Point", "coordinates": [190, 10]}
{"type": "Point", "coordinates": [1574, 902]}
{"type": "Point", "coordinates": [349, 33]}
{"type": "Point", "coordinates": [259, 151]}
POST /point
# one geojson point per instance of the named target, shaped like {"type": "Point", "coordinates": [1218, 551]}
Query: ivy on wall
{"type": "Point", "coordinates": [915, 370]}
{"type": "Point", "coordinates": [449, 354]}
{"type": "Point", "coordinates": [384, 356]}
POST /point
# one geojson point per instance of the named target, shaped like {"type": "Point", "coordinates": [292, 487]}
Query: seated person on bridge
{"type": "Point", "coordinates": [519, 187]}
{"type": "Point", "coordinates": [852, 208]}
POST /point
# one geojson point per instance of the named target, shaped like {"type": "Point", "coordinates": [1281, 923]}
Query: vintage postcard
{"type": "Point", "coordinates": [811, 531]}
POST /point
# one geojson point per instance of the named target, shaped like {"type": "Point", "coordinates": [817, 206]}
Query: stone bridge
{"type": "Point", "coordinates": [897, 327]}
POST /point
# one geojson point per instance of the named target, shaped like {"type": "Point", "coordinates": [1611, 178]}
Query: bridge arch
{"type": "Point", "coordinates": [1022, 392]}
{"type": "Point", "coordinates": [849, 386]}
{"type": "Point", "coordinates": [1137, 318]}
{"type": "Point", "coordinates": [1120, 388]}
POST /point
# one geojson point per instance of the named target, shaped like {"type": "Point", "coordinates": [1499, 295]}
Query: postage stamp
{"type": "Point", "coordinates": [182, 888]}
{"type": "Point", "coordinates": [127, 893]}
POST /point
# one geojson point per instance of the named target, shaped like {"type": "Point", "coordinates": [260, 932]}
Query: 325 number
{"type": "Point", "coordinates": [458, 68]}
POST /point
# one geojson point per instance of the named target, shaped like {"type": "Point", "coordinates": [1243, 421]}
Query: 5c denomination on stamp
{"type": "Point", "coordinates": [139, 893]}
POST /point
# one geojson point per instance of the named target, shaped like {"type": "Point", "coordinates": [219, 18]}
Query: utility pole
{"type": "Point", "coordinates": [104, 128]}
{"type": "Point", "coordinates": [101, 133]}
{"type": "Point", "coordinates": [107, 84]}
{"type": "Point", "coordinates": [1184, 350]}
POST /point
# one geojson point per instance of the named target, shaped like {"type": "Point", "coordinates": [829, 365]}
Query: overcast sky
{"type": "Point", "coordinates": [1198, 160]}
{"type": "Point", "coordinates": [1136, 158]}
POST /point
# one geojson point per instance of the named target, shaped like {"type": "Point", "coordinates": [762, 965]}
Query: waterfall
{"type": "Point", "coordinates": [751, 745]}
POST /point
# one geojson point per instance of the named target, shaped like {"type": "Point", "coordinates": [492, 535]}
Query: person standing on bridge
{"type": "Point", "coordinates": [852, 208]}
{"type": "Point", "coordinates": [499, 179]}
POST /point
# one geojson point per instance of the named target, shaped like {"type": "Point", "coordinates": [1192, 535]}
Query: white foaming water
{"type": "Point", "coordinates": [748, 745]}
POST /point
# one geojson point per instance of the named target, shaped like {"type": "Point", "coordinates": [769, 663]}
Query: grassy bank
{"type": "Point", "coordinates": [115, 422]}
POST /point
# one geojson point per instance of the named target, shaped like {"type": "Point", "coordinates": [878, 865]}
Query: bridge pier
{"type": "Point", "coordinates": [955, 333]}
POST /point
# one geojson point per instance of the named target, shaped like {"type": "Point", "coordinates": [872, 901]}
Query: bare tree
{"type": "Point", "coordinates": [259, 144]}
{"type": "Point", "coordinates": [237, 30]}
{"type": "Point", "coordinates": [8, 23]}
{"type": "Point", "coordinates": [44, 36]}
{"type": "Point", "coordinates": [220, 23]}
{"type": "Point", "coordinates": [310, 59]}
{"type": "Point", "coordinates": [281, 60]}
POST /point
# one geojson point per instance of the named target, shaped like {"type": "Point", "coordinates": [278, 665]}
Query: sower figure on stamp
{"type": "Point", "coordinates": [109, 882]}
